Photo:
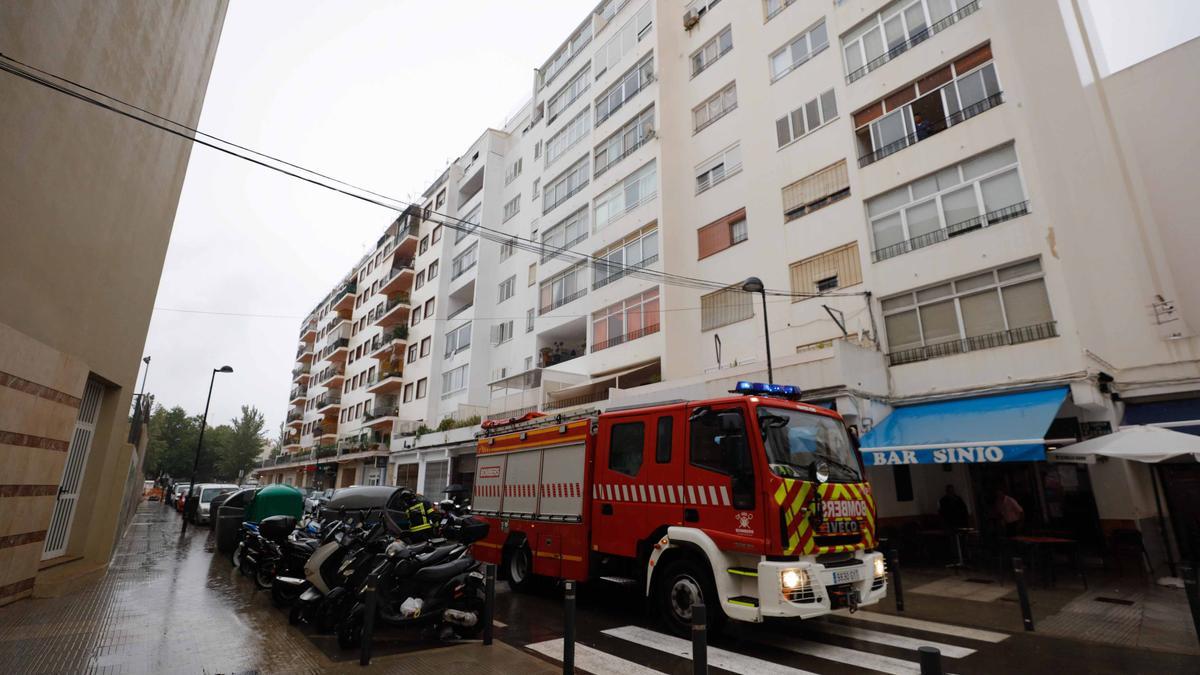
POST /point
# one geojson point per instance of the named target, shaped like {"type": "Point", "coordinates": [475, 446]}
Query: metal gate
{"type": "Point", "coordinates": [72, 478]}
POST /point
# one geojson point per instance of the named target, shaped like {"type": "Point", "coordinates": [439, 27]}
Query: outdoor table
{"type": "Point", "coordinates": [1039, 544]}
{"type": "Point", "coordinates": [959, 533]}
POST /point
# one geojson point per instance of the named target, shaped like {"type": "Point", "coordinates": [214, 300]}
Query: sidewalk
{"type": "Point", "coordinates": [170, 605]}
{"type": "Point", "coordinates": [1115, 611]}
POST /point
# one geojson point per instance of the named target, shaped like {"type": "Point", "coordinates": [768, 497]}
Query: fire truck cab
{"type": "Point", "coordinates": [755, 504]}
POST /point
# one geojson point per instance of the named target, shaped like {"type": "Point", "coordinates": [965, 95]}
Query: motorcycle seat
{"type": "Point", "coordinates": [436, 555]}
{"type": "Point", "coordinates": [439, 573]}
{"type": "Point", "coordinates": [302, 546]}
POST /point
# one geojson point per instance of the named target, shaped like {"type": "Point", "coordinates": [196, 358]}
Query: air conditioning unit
{"type": "Point", "coordinates": [690, 19]}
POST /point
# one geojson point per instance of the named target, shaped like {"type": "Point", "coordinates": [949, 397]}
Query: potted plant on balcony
{"type": "Point", "coordinates": [400, 332]}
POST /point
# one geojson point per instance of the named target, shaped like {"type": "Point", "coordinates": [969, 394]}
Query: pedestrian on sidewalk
{"type": "Point", "coordinates": [1009, 513]}
{"type": "Point", "coordinates": [952, 509]}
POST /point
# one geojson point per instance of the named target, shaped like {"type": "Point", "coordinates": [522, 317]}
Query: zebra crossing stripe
{"type": "Point", "coordinates": [892, 639]}
{"type": "Point", "coordinates": [877, 662]}
{"type": "Point", "coordinates": [718, 658]}
{"type": "Point", "coordinates": [592, 660]}
{"type": "Point", "coordinates": [927, 626]}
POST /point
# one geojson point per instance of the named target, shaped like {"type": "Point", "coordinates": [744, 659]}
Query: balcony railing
{"type": "Point", "coordinates": [383, 375]}
{"type": "Point", "coordinates": [1013, 336]}
{"type": "Point", "coordinates": [916, 39]}
{"type": "Point", "coordinates": [622, 270]}
{"type": "Point", "coordinates": [330, 373]}
{"type": "Point", "coordinates": [301, 370]}
{"type": "Point", "coordinates": [642, 139]}
{"type": "Point", "coordinates": [295, 416]}
{"type": "Point", "coordinates": [942, 234]}
{"type": "Point", "coordinates": [935, 127]}
{"type": "Point", "coordinates": [298, 392]}
{"type": "Point", "coordinates": [550, 251]}
{"type": "Point", "coordinates": [555, 304]}
{"type": "Point", "coordinates": [622, 339]}
{"type": "Point", "coordinates": [328, 399]}
{"type": "Point", "coordinates": [382, 411]}
{"type": "Point", "coordinates": [576, 400]}
{"type": "Point", "coordinates": [325, 451]}
{"type": "Point", "coordinates": [304, 349]}
{"type": "Point", "coordinates": [333, 346]}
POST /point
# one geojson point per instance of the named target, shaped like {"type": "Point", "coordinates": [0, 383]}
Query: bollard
{"type": "Point", "coordinates": [931, 660]}
{"type": "Point", "coordinates": [699, 639]}
{"type": "Point", "coordinates": [1191, 585]}
{"type": "Point", "coordinates": [894, 567]}
{"type": "Point", "coordinates": [1023, 593]}
{"type": "Point", "coordinates": [489, 601]}
{"type": "Point", "coordinates": [568, 659]}
{"type": "Point", "coordinates": [368, 629]}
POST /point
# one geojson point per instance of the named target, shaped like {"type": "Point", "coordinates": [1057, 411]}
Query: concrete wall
{"type": "Point", "coordinates": [87, 200]}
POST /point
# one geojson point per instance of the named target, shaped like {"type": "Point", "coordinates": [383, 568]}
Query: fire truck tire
{"type": "Point", "coordinates": [520, 568]}
{"type": "Point", "coordinates": [682, 584]}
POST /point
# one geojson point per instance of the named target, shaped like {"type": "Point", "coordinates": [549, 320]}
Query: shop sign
{"type": "Point", "coordinates": [957, 454]}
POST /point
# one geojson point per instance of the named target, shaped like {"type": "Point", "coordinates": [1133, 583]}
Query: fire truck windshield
{"type": "Point", "coordinates": [796, 442]}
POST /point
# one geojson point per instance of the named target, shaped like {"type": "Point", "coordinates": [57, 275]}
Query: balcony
{"type": "Point", "coordinates": [295, 419]}
{"type": "Point", "coordinates": [309, 332]}
{"type": "Point", "coordinates": [298, 395]}
{"type": "Point", "coordinates": [394, 313]}
{"type": "Point", "coordinates": [942, 234]}
{"type": "Point", "coordinates": [301, 373]}
{"type": "Point", "coordinates": [332, 376]}
{"type": "Point", "coordinates": [562, 300]}
{"type": "Point", "coordinates": [627, 337]}
{"type": "Point", "coordinates": [933, 128]}
{"type": "Point", "coordinates": [336, 350]}
{"type": "Point", "coordinates": [305, 353]}
{"type": "Point", "coordinates": [382, 416]}
{"type": "Point", "coordinates": [915, 39]}
{"type": "Point", "coordinates": [323, 451]}
{"type": "Point", "coordinates": [328, 402]}
{"type": "Point", "coordinates": [399, 277]}
{"type": "Point", "coordinates": [406, 243]}
{"type": "Point", "coordinates": [1012, 336]}
{"type": "Point", "coordinates": [344, 299]}
{"type": "Point", "coordinates": [383, 347]}
{"type": "Point", "coordinates": [386, 382]}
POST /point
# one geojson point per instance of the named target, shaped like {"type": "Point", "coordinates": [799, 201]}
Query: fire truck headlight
{"type": "Point", "coordinates": [879, 566]}
{"type": "Point", "coordinates": [793, 579]}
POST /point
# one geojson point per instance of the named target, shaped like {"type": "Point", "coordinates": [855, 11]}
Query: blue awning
{"type": "Point", "coordinates": [1000, 428]}
{"type": "Point", "coordinates": [1177, 415]}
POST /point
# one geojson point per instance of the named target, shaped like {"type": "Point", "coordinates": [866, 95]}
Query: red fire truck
{"type": "Point", "coordinates": [754, 503]}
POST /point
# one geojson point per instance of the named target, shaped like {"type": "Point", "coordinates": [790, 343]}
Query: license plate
{"type": "Point", "coordinates": [847, 576]}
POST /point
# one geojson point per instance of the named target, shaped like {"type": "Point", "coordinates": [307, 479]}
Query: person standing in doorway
{"type": "Point", "coordinates": [952, 509]}
{"type": "Point", "coordinates": [1009, 513]}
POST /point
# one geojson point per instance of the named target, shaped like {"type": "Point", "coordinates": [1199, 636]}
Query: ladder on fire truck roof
{"type": "Point", "coordinates": [539, 422]}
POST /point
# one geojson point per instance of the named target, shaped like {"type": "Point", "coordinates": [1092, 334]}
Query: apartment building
{"type": "Point", "coordinates": [952, 211]}
{"type": "Point", "coordinates": [89, 198]}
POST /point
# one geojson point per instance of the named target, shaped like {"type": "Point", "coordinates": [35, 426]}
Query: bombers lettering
{"type": "Point", "coordinates": [844, 509]}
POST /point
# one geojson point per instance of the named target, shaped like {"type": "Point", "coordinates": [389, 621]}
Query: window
{"type": "Point", "coordinates": [636, 251]}
{"type": "Point", "coordinates": [529, 320]}
{"type": "Point", "coordinates": [816, 191]}
{"type": "Point", "coordinates": [470, 222]}
{"type": "Point", "coordinates": [412, 353]}
{"type": "Point", "coordinates": [420, 281]}
{"type": "Point", "coordinates": [720, 234]}
{"type": "Point", "coordinates": [630, 319]}
{"type": "Point", "coordinates": [625, 88]}
{"type": "Point", "coordinates": [436, 236]}
{"type": "Point", "coordinates": [464, 261]}
{"type": "Point", "coordinates": [458, 339]}
{"type": "Point", "coordinates": [773, 7]}
{"type": "Point", "coordinates": [806, 119]}
{"type": "Point", "coordinates": [429, 308]}
{"type": "Point", "coordinates": [609, 54]}
{"type": "Point", "coordinates": [433, 270]}
{"type": "Point", "coordinates": [565, 234]}
{"type": "Point", "coordinates": [719, 443]}
{"type": "Point", "coordinates": [424, 245]}
{"type": "Point", "coordinates": [441, 200]}
{"type": "Point", "coordinates": [507, 288]}
{"type": "Point", "coordinates": [625, 446]}
{"type": "Point", "coordinates": [624, 141]}
{"type": "Point", "coordinates": [512, 208]}
{"type": "Point", "coordinates": [537, 152]}
{"type": "Point", "coordinates": [454, 380]}
{"type": "Point", "coordinates": [1003, 306]}
{"type": "Point", "coordinates": [638, 188]}
{"type": "Point", "coordinates": [712, 50]}
{"type": "Point", "coordinates": [567, 52]}
{"type": "Point", "coordinates": [513, 170]}
{"type": "Point", "coordinates": [978, 192]}
{"type": "Point", "coordinates": [895, 28]}
{"type": "Point", "coordinates": [563, 288]}
{"type": "Point", "coordinates": [662, 445]}
{"type": "Point", "coordinates": [532, 275]}
{"type": "Point", "coordinates": [797, 52]}
{"type": "Point", "coordinates": [717, 106]}
{"type": "Point", "coordinates": [416, 317]}
{"type": "Point", "coordinates": [575, 130]}
{"type": "Point", "coordinates": [422, 387]}
{"type": "Point", "coordinates": [826, 271]}
{"type": "Point", "coordinates": [426, 345]}
{"type": "Point", "coordinates": [717, 168]}
{"type": "Point", "coordinates": [570, 92]}
{"type": "Point", "coordinates": [502, 332]}
{"type": "Point", "coordinates": [565, 185]}
{"type": "Point", "coordinates": [726, 306]}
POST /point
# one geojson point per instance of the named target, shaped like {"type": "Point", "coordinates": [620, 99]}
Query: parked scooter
{"type": "Point", "coordinates": [342, 560]}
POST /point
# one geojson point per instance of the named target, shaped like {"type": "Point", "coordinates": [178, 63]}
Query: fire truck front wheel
{"type": "Point", "coordinates": [520, 568]}
{"type": "Point", "coordinates": [683, 584]}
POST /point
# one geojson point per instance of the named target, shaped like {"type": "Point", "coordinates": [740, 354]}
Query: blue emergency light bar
{"type": "Point", "coordinates": [790, 391]}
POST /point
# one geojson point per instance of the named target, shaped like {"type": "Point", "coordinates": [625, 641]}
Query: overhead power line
{"type": "Point", "coordinates": [39, 76]}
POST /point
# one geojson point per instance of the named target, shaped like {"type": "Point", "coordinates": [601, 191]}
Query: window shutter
{"type": "Point", "coordinates": [841, 262]}
{"type": "Point", "coordinates": [815, 187]}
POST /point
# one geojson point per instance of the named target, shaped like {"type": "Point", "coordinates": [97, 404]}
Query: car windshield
{"type": "Point", "coordinates": [796, 441]}
{"type": "Point", "coordinates": [208, 493]}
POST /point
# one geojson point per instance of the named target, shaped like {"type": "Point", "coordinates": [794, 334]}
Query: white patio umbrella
{"type": "Point", "coordinates": [1139, 443]}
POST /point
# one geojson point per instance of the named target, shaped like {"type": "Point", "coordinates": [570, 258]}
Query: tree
{"type": "Point", "coordinates": [241, 447]}
{"type": "Point", "coordinates": [172, 445]}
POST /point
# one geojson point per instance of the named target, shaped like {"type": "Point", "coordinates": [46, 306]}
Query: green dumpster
{"type": "Point", "coordinates": [276, 500]}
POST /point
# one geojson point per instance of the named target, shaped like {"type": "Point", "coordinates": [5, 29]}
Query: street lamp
{"type": "Point", "coordinates": [200, 444]}
{"type": "Point", "coordinates": [755, 285]}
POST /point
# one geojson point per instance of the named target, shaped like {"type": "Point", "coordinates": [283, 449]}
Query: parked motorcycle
{"type": "Point", "coordinates": [341, 560]}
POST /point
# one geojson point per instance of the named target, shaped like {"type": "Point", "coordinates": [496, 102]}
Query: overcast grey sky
{"type": "Point", "coordinates": [380, 94]}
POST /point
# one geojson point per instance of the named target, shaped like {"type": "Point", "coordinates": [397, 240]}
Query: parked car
{"type": "Point", "coordinates": [316, 499]}
{"type": "Point", "coordinates": [231, 510]}
{"type": "Point", "coordinates": [205, 493]}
